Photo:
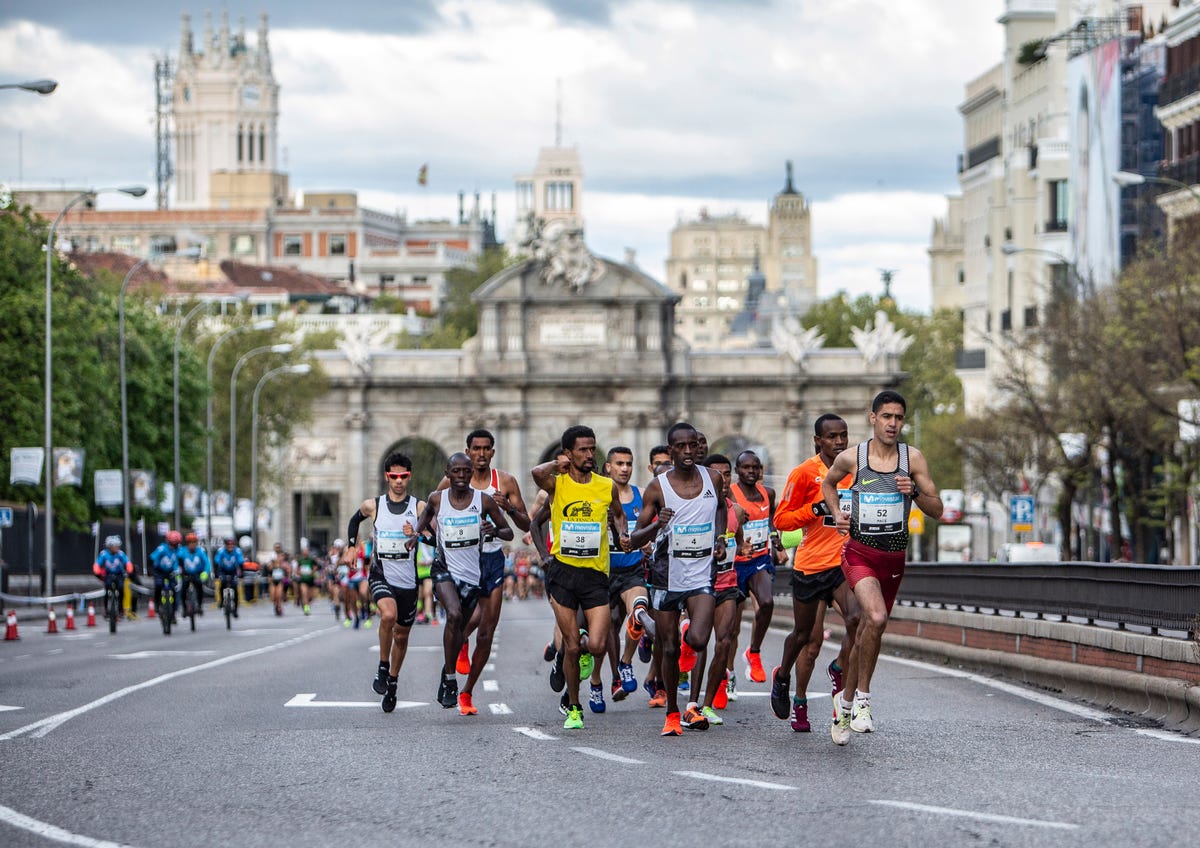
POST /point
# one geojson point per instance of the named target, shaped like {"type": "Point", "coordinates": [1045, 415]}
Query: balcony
{"type": "Point", "coordinates": [1178, 87]}
{"type": "Point", "coordinates": [1055, 225]}
{"type": "Point", "coordinates": [983, 151]}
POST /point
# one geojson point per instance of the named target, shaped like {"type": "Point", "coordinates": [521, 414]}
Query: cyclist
{"type": "Point", "coordinates": [228, 562]}
{"type": "Point", "coordinates": [193, 559]}
{"type": "Point", "coordinates": [112, 565]}
{"type": "Point", "coordinates": [165, 562]}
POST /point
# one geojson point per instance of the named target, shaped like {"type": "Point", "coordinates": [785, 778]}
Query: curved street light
{"type": "Point", "coordinates": [302, 368]}
{"type": "Point", "coordinates": [286, 347]}
{"type": "Point", "coordinates": [48, 447]}
{"type": "Point", "coordinates": [38, 86]}
{"type": "Point", "coordinates": [1125, 179]}
{"type": "Point", "coordinates": [264, 324]}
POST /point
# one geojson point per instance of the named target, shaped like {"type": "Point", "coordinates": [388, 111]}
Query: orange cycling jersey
{"type": "Point", "coordinates": [821, 549]}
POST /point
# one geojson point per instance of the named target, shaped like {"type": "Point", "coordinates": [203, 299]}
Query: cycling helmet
{"type": "Point", "coordinates": [112, 540]}
{"type": "Point", "coordinates": [174, 537]}
{"type": "Point", "coordinates": [191, 537]}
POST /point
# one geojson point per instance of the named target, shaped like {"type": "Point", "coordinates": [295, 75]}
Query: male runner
{"type": "Point", "coordinates": [392, 578]}
{"type": "Point", "coordinates": [641, 622]}
{"type": "Point", "coordinates": [888, 477]}
{"type": "Point", "coordinates": [582, 503]}
{"type": "Point", "coordinates": [682, 506]}
{"type": "Point", "coordinates": [503, 488]}
{"type": "Point", "coordinates": [306, 578]}
{"type": "Point", "coordinates": [466, 517]}
{"type": "Point", "coordinates": [817, 578]}
{"type": "Point", "coordinates": [756, 570]}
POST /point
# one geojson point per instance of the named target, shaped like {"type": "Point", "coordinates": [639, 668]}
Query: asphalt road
{"type": "Point", "coordinates": [271, 735]}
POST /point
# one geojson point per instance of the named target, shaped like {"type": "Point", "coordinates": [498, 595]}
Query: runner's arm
{"type": "Point", "coordinates": [509, 499]}
{"type": "Point", "coordinates": [537, 529]}
{"type": "Point", "coordinates": [501, 528]}
{"type": "Point", "coordinates": [842, 467]}
{"type": "Point", "coordinates": [924, 493]}
{"type": "Point", "coordinates": [648, 523]}
{"type": "Point", "coordinates": [427, 515]}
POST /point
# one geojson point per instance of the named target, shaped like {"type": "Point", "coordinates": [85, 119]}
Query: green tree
{"type": "Point", "coordinates": [458, 319]}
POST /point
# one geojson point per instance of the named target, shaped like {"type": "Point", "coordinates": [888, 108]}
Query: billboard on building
{"type": "Point", "coordinates": [1094, 98]}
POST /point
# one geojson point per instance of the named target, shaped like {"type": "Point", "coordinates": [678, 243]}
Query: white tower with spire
{"type": "Point", "coordinates": [226, 118]}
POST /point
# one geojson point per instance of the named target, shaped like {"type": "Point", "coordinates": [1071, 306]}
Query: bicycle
{"type": "Point", "coordinates": [189, 604]}
{"type": "Point", "coordinates": [166, 607]}
{"type": "Point", "coordinates": [228, 600]}
{"type": "Point", "coordinates": [112, 603]}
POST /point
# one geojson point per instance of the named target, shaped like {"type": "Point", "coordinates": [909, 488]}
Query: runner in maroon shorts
{"type": "Point", "coordinates": [889, 477]}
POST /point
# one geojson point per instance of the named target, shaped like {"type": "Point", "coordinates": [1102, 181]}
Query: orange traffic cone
{"type": "Point", "coordinates": [10, 631]}
{"type": "Point", "coordinates": [52, 622]}
{"type": "Point", "coordinates": [91, 620]}
{"type": "Point", "coordinates": [70, 618]}
{"type": "Point", "coordinates": [150, 608]}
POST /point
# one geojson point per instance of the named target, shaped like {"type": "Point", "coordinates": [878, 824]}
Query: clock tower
{"type": "Point", "coordinates": [226, 117]}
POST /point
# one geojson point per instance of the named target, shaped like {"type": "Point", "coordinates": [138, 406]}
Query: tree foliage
{"type": "Point", "coordinates": [458, 318]}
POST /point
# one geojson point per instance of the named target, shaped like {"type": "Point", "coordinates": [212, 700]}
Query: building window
{"type": "Point", "coordinates": [700, 302]}
{"type": "Point", "coordinates": [386, 280]}
{"type": "Point", "coordinates": [560, 197]}
{"type": "Point", "coordinates": [420, 281]}
{"type": "Point", "coordinates": [125, 244]}
{"type": "Point", "coordinates": [337, 245]}
{"type": "Point", "coordinates": [241, 244]}
{"type": "Point", "coordinates": [1056, 221]}
{"type": "Point", "coordinates": [293, 245]}
{"type": "Point", "coordinates": [162, 244]}
{"type": "Point", "coordinates": [728, 285]}
{"type": "Point", "coordinates": [699, 285]}
{"type": "Point", "coordinates": [728, 304]}
{"type": "Point", "coordinates": [524, 196]}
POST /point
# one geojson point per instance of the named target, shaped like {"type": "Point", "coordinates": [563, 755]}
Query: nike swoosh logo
{"type": "Point", "coordinates": [869, 482]}
{"type": "Point", "coordinates": [895, 576]}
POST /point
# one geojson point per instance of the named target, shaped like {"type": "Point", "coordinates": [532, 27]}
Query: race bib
{"type": "Point", "coordinates": [730, 553]}
{"type": "Point", "coordinates": [276, 573]}
{"type": "Point", "coordinates": [390, 544]}
{"type": "Point", "coordinates": [343, 571]}
{"type": "Point", "coordinates": [459, 531]}
{"type": "Point", "coordinates": [845, 500]}
{"type": "Point", "coordinates": [306, 570]}
{"type": "Point", "coordinates": [880, 513]}
{"type": "Point", "coordinates": [692, 541]}
{"type": "Point", "coordinates": [756, 533]}
{"type": "Point", "coordinates": [580, 539]}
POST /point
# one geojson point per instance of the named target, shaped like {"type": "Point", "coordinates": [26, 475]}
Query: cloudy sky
{"type": "Point", "coordinates": [674, 106]}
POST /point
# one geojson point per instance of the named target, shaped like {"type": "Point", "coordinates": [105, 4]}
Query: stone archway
{"type": "Point", "coordinates": [429, 464]}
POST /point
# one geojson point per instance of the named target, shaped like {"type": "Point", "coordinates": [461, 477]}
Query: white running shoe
{"type": "Point", "coordinates": [860, 717]}
{"type": "Point", "coordinates": [839, 730]}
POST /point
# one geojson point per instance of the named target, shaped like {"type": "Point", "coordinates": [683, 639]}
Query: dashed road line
{"type": "Point", "coordinates": [971, 814]}
{"type": "Point", "coordinates": [500, 709]}
{"type": "Point", "coordinates": [604, 755]}
{"type": "Point", "coordinates": [491, 686]}
{"type": "Point", "coordinates": [757, 784]}
{"type": "Point", "coordinates": [532, 733]}
{"type": "Point", "coordinates": [49, 831]}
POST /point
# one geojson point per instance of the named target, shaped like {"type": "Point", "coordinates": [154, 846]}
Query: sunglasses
{"type": "Point", "coordinates": [399, 475]}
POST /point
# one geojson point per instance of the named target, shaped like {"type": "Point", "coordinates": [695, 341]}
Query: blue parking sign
{"type": "Point", "coordinates": [1020, 513]}
{"type": "Point", "coordinates": [5, 516]}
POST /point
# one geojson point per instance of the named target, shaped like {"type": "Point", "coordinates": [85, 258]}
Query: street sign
{"type": "Point", "coordinates": [1020, 513]}
{"type": "Point", "coordinates": [5, 516]}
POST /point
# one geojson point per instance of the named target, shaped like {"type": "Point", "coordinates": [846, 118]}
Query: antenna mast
{"type": "Point", "coordinates": [163, 76]}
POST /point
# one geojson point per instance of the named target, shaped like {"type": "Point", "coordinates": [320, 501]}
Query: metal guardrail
{"type": "Point", "coordinates": [1158, 597]}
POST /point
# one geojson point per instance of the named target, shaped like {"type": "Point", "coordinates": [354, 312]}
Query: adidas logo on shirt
{"type": "Point", "coordinates": [709, 494]}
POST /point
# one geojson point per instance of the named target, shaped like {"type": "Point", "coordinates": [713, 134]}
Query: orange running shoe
{"type": "Point", "coordinates": [660, 699]}
{"type": "Point", "coordinates": [693, 719]}
{"type": "Point", "coordinates": [721, 699]}
{"type": "Point", "coordinates": [672, 726]}
{"type": "Point", "coordinates": [465, 707]}
{"type": "Point", "coordinates": [687, 656]}
{"type": "Point", "coordinates": [463, 666]}
{"type": "Point", "coordinates": [757, 674]}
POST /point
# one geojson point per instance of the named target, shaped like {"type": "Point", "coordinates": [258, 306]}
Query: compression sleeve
{"type": "Point", "coordinates": [352, 530]}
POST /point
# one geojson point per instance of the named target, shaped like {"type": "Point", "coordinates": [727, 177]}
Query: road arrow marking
{"type": "Point", "coordinates": [308, 699]}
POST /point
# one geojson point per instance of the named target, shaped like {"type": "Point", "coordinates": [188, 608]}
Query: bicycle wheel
{"type": "Point", "coordinates": [227, 595]}
{"type": "Point", "coordinates": [114, 607]}
{"type": "Point", "coordinates": [165, 611]}
{"type": "Point", "coordinates": [189, 606]}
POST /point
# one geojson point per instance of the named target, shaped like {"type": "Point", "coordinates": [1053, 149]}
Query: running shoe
{"type": "Point", "coordinates": [731, 686]}
{"type": "Point", "coordinates": [835, 675]}
{"type": "Point", "coordinates": [441, 695]}
{"type": "Point", "coordinates": [450, 693]}
{"type": "Point", "coordinates": [645, 648]}
{"type": "Point", "coordinates": [564, 703]}
{"type": "Point", "coordinates": [650, 685]}
{"type": "Point", "coordinates": [780, 696]}
{"type": "Point", "coordinates": [755, 671]}
{"type": "Point", "coordinates": [860, 717]}
{"type": "Point", "coordinates": [618, 694]}
{"type": "Point", "coordinates": [800, 718]}
{"type": "Point", "coordinates": [548, 652]}
{"type": "Point", "coordinates": [557, 678]}
{"type": "Point", "coordinates": [463, 664]}
{"type": "Point", "coordinates": [633, 626]}
{"type": "Point", "coordinates": [659, 699]}
{"type": "Point", "coordinates": [684, 684]}
{"type": "Point", "coordinates": [839, 730]}
{"type": "Point", "coordinates": [307, 609]}
{"type": "Point", "coordinates": [596, 699]}
{"type": "Point", "coordinates": [687, 656]}
{"type": "Point", "coordinates": [721, 700]}
{"type": "Point", "coordinates": [628, 681]}
{"type": "Point", "coordinates": [714, 719]}
{"type": "Point", "coordinates": [574, 718]}
{"type": "Point", "coordinates": [379, 684]}
{"type": "Point", "coordinates": [465, 706]}
{"type": "Point", "coordinates": [693, 719]}
{"type": "Point", "coordinates": [586, 661]}
{"type": "Point", "coordinates": [389, 699]}
{"type": "Point", "coordinates": [672, 727]}
{"type": "Point", "coordinates": [367, 624]}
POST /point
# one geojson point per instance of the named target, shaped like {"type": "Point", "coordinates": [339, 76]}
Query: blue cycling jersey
{"type": "Point", "coordinates": [193, 562]}
{"type": "Point", "coordinates": [113, 564]}
{"type": "Point", "coordinates": [228, 561]}
{"type": "Point", "coordinates": [165, 560]}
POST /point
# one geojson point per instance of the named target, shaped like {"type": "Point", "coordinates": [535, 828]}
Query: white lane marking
{"type": "Point", "coordinates": [535, 734]}
{"type": "Point", "coordinates": [272, 630]}
{"type": "Point", "coordinates": [142, 655]}
{"type": "Point", "coordinates": [491, 686]}
{"type": "Point", "coordinates": [970, 814]}
{"type": "Point", "coordinates": [79, 636]}
{"type": "Point", "coordinates": [40, 728]}
{"type": "Point", "coordinates": [308, 699]}
{"type": "Point", "coordinates": [49, 831]}
{"type": "Point", "coordinates": [758, 784]}
{"type": "Point", "coordinates": [604, 755]}
{"type": "Point", "coordinates": [5, 709]}
{"type": "Point", "coordinates": [500, 709]}
{"type": "Point", "coordinates": [490, 667]}
{"type": "Point", "coordinates": [411, 648]}
{"type": "Point", "coordinates": [742, 693]}
{"type": "Point", "coordinates": [1167, 736]}
{"type": "Point", "coordinates": [55, 651]}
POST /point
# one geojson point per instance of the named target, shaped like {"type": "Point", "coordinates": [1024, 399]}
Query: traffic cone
{"type": "Point", "coordinates": [52, 622]}
{"type": "Point", "coordinates": [91, 619]}
{"type": "Point", "coordinates": [70, 618]}
{"type": "Point", "coordinates": [150, 608]}
{"type": "Point", "coordinates": [10, 631]}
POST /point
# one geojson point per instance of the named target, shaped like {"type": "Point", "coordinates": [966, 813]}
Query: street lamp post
{"type": "Point", "coordinates": [39, 86]}
{"type": "Point", "coordinates": [1125, 179]}
{"type": "Point", "coordinates": [279, 348]}
{"type": "Point", "coordinates": [48, 446]}
{"type": "Point", "coordinates": [125, 488]}
{"type": "Point", "coordinates": [265, 324]}
{"type": "Point", "coordinates": [302, 368]}
{"type": "Point", "coordinates": [176, 495]}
